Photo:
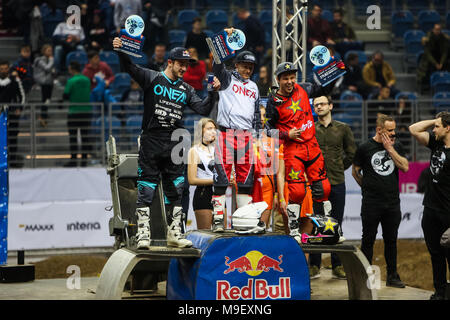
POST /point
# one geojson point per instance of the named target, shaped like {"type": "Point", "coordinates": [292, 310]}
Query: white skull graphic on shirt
{"type": "Point", "coordinates": [437, 162]}
{"type": "Point", "coordinates": [382, 163]}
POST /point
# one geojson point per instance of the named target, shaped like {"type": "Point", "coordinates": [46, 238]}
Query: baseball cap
{"type": "Point", "coordinates": [285, 67]}
{"type": "Point", "coordinates": [180, 53]}
{"type": "Point", "coordinates": [246, 56]}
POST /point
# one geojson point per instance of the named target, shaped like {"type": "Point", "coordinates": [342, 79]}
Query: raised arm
{"type": "Point", "coordinates": [419, 131]}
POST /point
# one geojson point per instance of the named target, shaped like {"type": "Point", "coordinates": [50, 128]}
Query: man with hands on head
{"type": "Point", "coordinates": [375, 169]}
{"type": "Point", "coordinates": [436, 202]}
{"type": "Point", "coordinates": [165, 98]}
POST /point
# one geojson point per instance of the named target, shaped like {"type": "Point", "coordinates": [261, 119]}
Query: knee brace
{"type": "Point", "coordinates": [146, 193]}
{"type": "Point", "coordinates": [320, 190]}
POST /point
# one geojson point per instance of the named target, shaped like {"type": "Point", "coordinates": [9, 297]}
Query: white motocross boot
{"type": "Point", "coordinates": [293, 211]}
{"type": "Point", "coordinates": [175, 238]}
{"type": "Point", "coordinates": [143, 233]}
{"type": "Point", "coordinates": [218, 213]}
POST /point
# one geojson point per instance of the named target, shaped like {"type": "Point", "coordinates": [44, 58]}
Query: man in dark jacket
{"type": "Point", "coordinates": [254, 34]}
{"type": "Point", "coordinates": [11, 91]}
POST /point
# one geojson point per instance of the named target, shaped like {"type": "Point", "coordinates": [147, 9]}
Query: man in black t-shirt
{"type": "Point", "coordinates": [379, 160]}
{"type": "Point", "coordinates": [436, 202]}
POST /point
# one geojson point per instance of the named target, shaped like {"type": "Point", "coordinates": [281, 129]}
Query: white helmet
{"type": "Point", "coordinates": [247, 219]}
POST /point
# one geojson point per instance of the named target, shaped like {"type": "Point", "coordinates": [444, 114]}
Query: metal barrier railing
{"type": "Point", "coordinates": [78, 139]}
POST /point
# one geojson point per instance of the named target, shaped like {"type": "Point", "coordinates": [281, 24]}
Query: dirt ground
{"type": "Point", "coordinates": [414, 264]}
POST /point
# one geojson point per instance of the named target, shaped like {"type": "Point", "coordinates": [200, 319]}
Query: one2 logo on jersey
{"type": "Point", "coordinates": [382, 163]}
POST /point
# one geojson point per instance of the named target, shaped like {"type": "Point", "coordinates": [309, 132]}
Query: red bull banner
{"type": "Point", "coordinates": [237, 267]}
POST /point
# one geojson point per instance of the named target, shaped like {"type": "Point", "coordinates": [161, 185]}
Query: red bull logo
{"type": "Point", "coordinates": [254, 263]}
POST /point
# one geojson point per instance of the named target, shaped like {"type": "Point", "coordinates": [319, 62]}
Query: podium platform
{"type": "Point", "coordinates": [231, 267]}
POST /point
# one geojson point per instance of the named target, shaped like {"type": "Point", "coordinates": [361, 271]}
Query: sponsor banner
{"type": "Point", "coordinates": [410, 226]}
{"type": "Point", "coordinates": [224, 47]}
{"type": "Point", "coordinates": [326, 67]}
{"type": "Point", "coordinates": [131, 36]}
{"type": "Point", "coordinates": [58, 184]}
{"type": "Point", "coordinates": [59, 225]}
{"type": "Point", "coordinates": [409, 180]}
{"type": "Point", "coordinates": [231, 267]}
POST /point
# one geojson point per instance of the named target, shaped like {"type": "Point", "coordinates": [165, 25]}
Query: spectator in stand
{"type": "Point", "coordinates": [377, 74]}
{"type": "Point", "coordinates": [23, 67]}
{"type": "Point", "coordinates": [11, 91]}
{"type": "Point", "coordinates": [343, 34]}
{"type": "Point", "coordinates": [436, 53]}
{"type": "Point", "coordinates": [134, 94]}
{"type": "Point", "coordinates": [44, 74]}
{"type": "Point", "coordinates": [95, 67]}
{"type": "Point", "coordinates": [254, 34]}
{"type": "Point", "coordinates": [123, 9]}
{"type": "Point", "coordinates": [264, 82]}
{"type": "Point", "coordinates": [97, 33]}
{"type": "Point", "coordinates": [353, 79]}
{"type": "Point", "coordinates": [158, 60]}
{"type": "Point", "coordinates": [66, 38]}
{"type": "Point", "coordinates": [382, 104]}
{"type": "Point", "coordinates": [319, 30]}
{"type": "Point", "coordinates": [195, 74]}
{"type": "Point", "coordinates": [156, 24]}
{"type": "Point", "coordinates": [78, 90]}
{"type": "Point", "coordinates": [403, 117]}
{"type": "Point", "coordinates": [196, 38]}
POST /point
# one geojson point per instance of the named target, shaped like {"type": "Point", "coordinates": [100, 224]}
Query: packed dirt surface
{"type": "Point", "coordinates": [414, 264]}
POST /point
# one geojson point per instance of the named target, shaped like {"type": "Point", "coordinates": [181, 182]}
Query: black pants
{"type": "Point", "coordinates": [434, 224]}
{"type": "Point", "coordinates": [389, 217]}
{"type": "Point", "coordinates": [80, 121]}
{"type": "Point", "coordinates": [46, 93]}
{"type": "Point", "coordinates": [337, 199]}
{"type": "Point", "coordinates": [155, 163]}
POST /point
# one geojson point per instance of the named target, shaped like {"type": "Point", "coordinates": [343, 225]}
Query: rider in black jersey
{"type": "Point", "coordinates": [165, 98]}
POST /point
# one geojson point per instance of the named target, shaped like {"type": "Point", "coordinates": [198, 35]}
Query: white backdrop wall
{"type": "Point", "coordinates": [65, 208]}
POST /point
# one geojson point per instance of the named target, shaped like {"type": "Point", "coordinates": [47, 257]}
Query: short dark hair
{"type": "Point", "coordinates": [445, 118]}
{"type": "Point", "coordinates": [352, 56]}
{"type": "Point", "coordinates": [196, 19]}
{"type": "Point", "coordinates": [92, 53]}
{"type": "Point", "coordinates": [75, 66]}
{"type": "Point", "coordinates": [382, 118]}
{"type": "Point", "coordinates": [3, 62]}
{"type": "Point", "coordinates": [339, 10]}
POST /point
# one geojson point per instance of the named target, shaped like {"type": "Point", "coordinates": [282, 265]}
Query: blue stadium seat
{"type": "Point", "coordinates": [112, 59]}
{"type": "Point", "coordinates": [327, 15]}
{"type": "Point", "coordinates": [408, 95]}
{"type": "Point", "coordinates": [142, 61]}
{"type": "Point", "coordinates": [351, 103]}
{"type": "Point", "coordinates": [442, 105]}
{"type": "Point", "coordinates": [265, 17]}
{"type": "Point", "coordinates": [177, 38]}
{"type": "Point", "coordinates": [402, 21]}
{"type": "Point", "coordinates": [218, 4]}
{"type": "Point", "coordinates": [115, 127]}
{"type": "Point", "coordinates": [133, 125]}
{"type": "Point", "coordinates": [415, 6]}
{"type": "Point", "coordinates": [413, 41]}
{"type": "Point", "coordinates": [440, 81]}
{"type": "Point", "coordinates": [79, 56]}
{"type": "Point", "coordinates": [185, 18]}
{"type": "Point", "coordinates": [343, 117]}
{"type": "Point", "coordinates": [216, 20]}
{"type": "Point", "coordinates": [427, 19]}
{"type": "Point", "coordinates": [50, 19]}
{"type": "Point", "coordinates": [122, 82]}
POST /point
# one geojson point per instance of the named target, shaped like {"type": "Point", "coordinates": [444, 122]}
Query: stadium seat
{"type": "Point", "coordinates": [133, 125]}
{"type": "Point", "coordinates": [427, 19]}
{"type": "Point", "coordinates": [177, 38]}
{"type": "Point", "coordinates": [50, 19]}
{"type": "Point", "coordinates": [413, 41]}
{"type": "Point", "coordinates": [351, 103]}
{"type": "Point", "coordinates": [142, 61]}
{"type": "Point", "coordinates": [402, 21]}
{"type": "Point", "coordinates": [343, 117]}
{"type": "Point", "coordinates": [185, 18]}
{"type": "Point", "coordinates": [121, 83]}
{"type": "Point", "coordinates": [265, 17]}
{"type": "Point", "coordinates": [415, 6]}
{"type": "Point", "coordinates": [444, 103]}
{"type": "Point", "coordinates": [408, 95]}
{"type": "Point", "coordinates": [208, 33]}
{"type": "Point", "coordinates": [216, 20]}
{"type": "Point", "coordinates": [327, 15]}
{"type": "Point", "coordinates": [112, 59]}
{"type": "Point", "coordinates": [115, 127]}
{"type": "Point", "coordinates": [218, 4]}
{"type": "Point", "coordinates": [440, 81]}
{"type": "Point", "coordinates": [79, 56]}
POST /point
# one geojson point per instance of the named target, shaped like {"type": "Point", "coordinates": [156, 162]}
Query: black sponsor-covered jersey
{"type": "Point", "coordinates": [164, 99]}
